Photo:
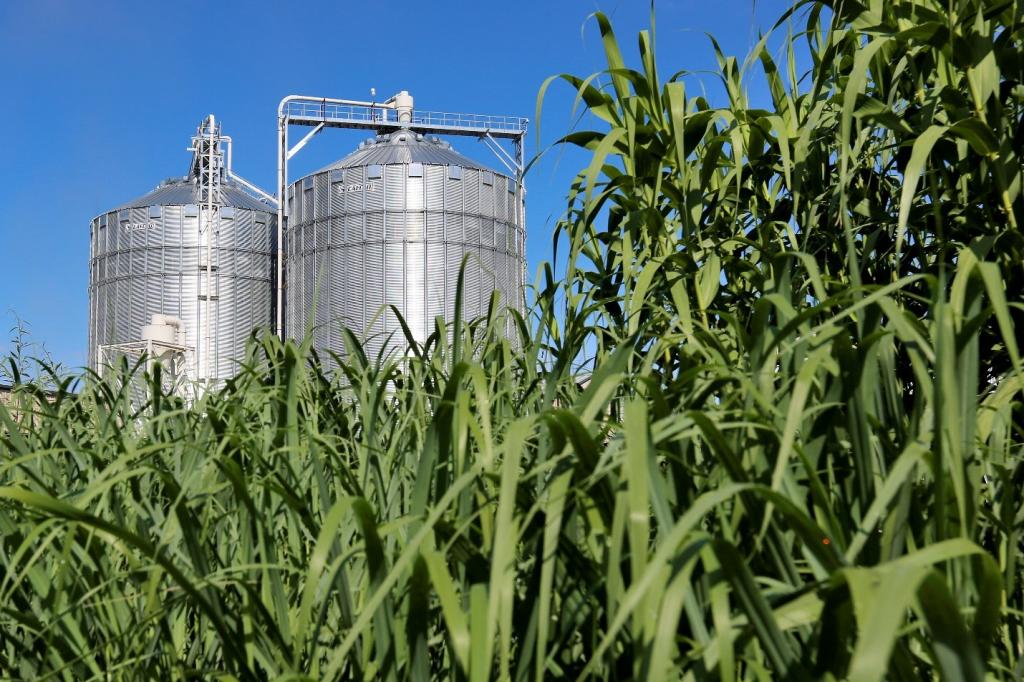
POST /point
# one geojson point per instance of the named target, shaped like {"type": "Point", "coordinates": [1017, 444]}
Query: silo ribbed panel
{"type": "Point", "coordinates": [148, 258]}
{"type": "Point", "coordinates": [390, 225]}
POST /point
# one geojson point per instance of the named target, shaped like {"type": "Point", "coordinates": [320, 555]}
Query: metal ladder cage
{"type": "Point", "coordinates": [207, 167]}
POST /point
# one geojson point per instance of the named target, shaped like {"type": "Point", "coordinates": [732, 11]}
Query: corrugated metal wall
{"type": "Point", "coordinates": [151, 260]}
{"type": "Point", "coordinates": [356, 243]}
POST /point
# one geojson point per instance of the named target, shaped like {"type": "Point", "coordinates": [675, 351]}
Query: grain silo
{"type": "Point", "coordinates": [187, 267]}
{"type": "Point", "coordinates": [389, 225]}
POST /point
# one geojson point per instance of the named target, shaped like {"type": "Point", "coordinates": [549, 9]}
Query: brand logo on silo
{"type": "Point", "coordinates": [358, 187]}
{"type": "Point", "coordinates": [137, 227]}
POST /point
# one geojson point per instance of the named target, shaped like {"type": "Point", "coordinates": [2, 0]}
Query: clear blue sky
{"type": "Point", "coordinates": [101, 98]}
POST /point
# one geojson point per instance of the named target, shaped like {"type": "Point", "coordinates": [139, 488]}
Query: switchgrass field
{"type": "Point", "coordinates": [769, 425]}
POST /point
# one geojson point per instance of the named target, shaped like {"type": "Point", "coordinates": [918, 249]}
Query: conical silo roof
{"type": "Point", "coordinates": [181, 192]}
{"type": "Point", "coordinates": [404, 146]}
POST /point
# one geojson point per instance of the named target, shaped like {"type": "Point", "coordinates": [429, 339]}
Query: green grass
{"type": "Point", "coordinates": [799, 454]}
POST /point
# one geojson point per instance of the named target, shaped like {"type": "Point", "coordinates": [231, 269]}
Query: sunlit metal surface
{"type": "Point", "coordinates": [148, 257]}
{"type": "Point", "coordinates": [389, 225]}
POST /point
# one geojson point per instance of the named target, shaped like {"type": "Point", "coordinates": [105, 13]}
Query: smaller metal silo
{"type": "Point", "coordinates": [186, 266]}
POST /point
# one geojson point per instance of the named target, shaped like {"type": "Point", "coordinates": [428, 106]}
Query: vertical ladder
{"type": "Point", "coordinates": [207, 169]}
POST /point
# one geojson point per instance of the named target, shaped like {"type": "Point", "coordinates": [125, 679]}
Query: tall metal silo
{"type": "Point", "coordinates": [196, 253]}
{"type": "Point", "coordinates": [390, 224]}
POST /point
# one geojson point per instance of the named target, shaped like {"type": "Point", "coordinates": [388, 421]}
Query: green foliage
{"type": "Point", "coordinates": [796, 450]}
